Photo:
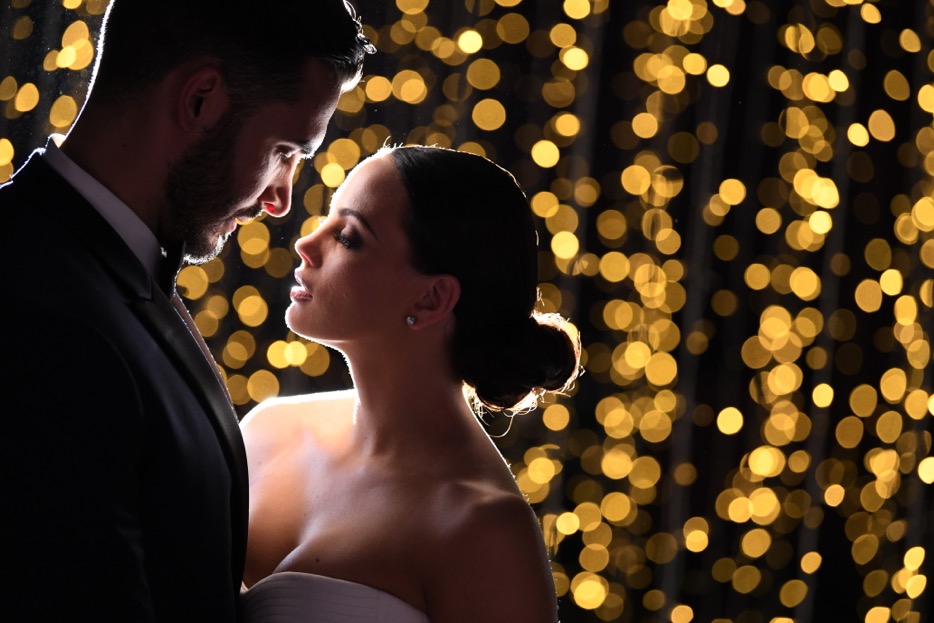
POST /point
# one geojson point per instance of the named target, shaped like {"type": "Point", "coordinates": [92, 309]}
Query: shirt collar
{"type": "Point", "coordinates": [125, 221]}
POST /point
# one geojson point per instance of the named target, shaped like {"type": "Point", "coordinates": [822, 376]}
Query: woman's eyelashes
{"type": "Point", "coordinates": [349, 240]}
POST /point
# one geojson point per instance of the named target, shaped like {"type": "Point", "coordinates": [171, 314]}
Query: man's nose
{"type": "Point", "coordinates": [277, 198]}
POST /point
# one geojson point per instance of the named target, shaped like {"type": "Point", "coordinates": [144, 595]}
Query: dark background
{"type": "Point", "coordinates": [692, 296]}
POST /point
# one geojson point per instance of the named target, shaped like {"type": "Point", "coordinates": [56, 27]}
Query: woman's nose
{"type": "Point", "coordinates": [308, 247]}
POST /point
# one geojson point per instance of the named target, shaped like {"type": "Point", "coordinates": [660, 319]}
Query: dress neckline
{"type": "Point", "coordinates": [359, 593]}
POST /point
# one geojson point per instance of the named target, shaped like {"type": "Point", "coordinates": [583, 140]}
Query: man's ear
{"type": "Point", "coordinates": [436, 304]}
{"type": "Point", "coordinates": [203, 98]}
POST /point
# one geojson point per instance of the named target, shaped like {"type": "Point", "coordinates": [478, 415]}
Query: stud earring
{"type": "Point", "coordinates": [410, 320]}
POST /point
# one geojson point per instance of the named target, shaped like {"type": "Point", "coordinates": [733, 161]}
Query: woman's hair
{"type": "Point", "coordinates": [470, 219]}
{"type": "Point", "coordinates": [261, 46]}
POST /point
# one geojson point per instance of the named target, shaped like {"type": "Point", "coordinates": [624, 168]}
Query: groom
{"type": "Point", "coordinates": [123, 486]}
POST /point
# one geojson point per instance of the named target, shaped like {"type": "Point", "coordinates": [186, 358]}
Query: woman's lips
{"type": "Point", "coordinates": [300, 292]}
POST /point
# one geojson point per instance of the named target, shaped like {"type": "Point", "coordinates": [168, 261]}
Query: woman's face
{"type": "Point", "coordinates": [355, 282]}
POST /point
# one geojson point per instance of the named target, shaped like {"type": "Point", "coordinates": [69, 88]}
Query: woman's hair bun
{"type": "Point", "coordinates": [511, 367]}
{"type": "Point", "coordinates": [470, 218]}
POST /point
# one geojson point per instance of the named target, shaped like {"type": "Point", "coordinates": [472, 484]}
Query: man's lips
{"type": "Point", "coordinates": [245, 216]}
{"type": "Point", "coordinates": [240, 218]}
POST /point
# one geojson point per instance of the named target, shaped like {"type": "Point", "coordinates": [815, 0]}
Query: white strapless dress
{"type": "Point", "coordinates": [292, 597]}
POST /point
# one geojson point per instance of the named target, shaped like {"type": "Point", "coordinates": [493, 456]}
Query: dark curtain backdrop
{"type": "Point", "coordinates": [735, 208]}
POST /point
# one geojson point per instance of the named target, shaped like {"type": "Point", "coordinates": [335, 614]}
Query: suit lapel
{"type": "Point", "coordinates": [40, 185]}
{"type": "Point", "coordinates": [171, 330]}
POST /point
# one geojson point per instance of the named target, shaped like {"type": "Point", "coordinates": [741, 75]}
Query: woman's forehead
{"type": "Point", "coordinates": [374, 182]}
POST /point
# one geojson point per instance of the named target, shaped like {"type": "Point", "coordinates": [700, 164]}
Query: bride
{"type": "Point", "coordinates": [389, 502]}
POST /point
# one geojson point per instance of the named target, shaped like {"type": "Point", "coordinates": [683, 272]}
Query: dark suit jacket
{"type": "Point", "coordinates": [123, 489]}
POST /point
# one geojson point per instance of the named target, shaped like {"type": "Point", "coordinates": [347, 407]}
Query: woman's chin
{"type": "Point", "coordinates": [295, 323]}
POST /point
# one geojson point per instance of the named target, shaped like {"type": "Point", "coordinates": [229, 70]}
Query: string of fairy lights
{"type": "Point", "coordinates": [735, 204]}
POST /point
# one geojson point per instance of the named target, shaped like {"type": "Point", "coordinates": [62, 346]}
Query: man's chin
{"type": "Point", "coordinates": [203, 251]}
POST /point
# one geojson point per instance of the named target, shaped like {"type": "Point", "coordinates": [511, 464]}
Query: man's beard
{"type": "Point", "coordinates": [201, 193]}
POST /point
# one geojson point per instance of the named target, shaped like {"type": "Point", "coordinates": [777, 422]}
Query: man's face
{"type": "Point", "coordinates": [245, 165]}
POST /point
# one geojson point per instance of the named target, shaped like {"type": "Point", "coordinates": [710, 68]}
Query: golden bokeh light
{"type": "Point", "coordinates": [734, 204]}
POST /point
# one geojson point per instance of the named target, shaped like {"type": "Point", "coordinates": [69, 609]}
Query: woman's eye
{"type": "Point", "coordinates": [345, 240]}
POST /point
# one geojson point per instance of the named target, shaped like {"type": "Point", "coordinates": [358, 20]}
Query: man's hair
{"type": "Point", "coordinates": [261, 47]}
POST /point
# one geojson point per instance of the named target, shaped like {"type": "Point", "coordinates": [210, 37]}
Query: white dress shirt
{"type": "Point", "coordinates": [125, 221]}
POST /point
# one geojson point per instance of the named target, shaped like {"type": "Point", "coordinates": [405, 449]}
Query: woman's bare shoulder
{"type": "Point", "coordinates": [467, 513]}
{"type": "Point", "coordinates": [494, 529]}
{"type": "Point", "coordinates": [275, 422]}
{"type": "Point", "coordinates": [280, 408]}
{"type": "Point", "coordinates": [475, 506]}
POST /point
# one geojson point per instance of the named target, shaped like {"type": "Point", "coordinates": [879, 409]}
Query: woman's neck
{"type": "Point", "coordinates": [407, 400]}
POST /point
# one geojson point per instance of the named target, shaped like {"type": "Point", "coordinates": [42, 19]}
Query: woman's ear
{"type": "Point", "coordinates": [202, 97]}
{"type": "Point", "coordinates": [436, 304]}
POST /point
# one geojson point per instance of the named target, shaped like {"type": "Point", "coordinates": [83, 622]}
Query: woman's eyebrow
{"type": "Point", "coordinates": [356, 215]}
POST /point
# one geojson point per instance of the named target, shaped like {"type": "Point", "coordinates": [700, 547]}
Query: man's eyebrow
{"type": "Point", "coordinates": [306, 148]}
{"type": "Point", "coordinates": [356, 215]}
